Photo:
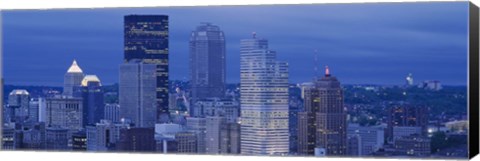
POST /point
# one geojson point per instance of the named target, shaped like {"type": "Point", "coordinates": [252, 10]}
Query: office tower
{"type": "Point", "coordinates": [137, 93]}
{"type": "Point", "coordinates": [186, 142]}
{"type": "Point", "coordinates": [207, 62]}
{"type": "Point", "coordinates": [213, 139]}
{"type": "Point", "coordinates": [230, 138]}
{"type": "Point", "coordinates": [37, 109]}
{"type": "Point", "coordinates": [263, 99]}
{"type": "Point", "coordinates": [370, 139]}
{"type": "Point", "coordinates": [90, 90]}
{"type": "Point", "coordinates": [112, 112]}
{"type": "Point", "coordinates": [8, 138]}
{"type": "Point", "coordinates": [19, 102]}
{"type": "Point", "coordinates": [79, 141]}
{"type": "Point", "coordinates": [56, 138]}
{"type": "Point", "coordinates": [199, 127]}
{"type": "Point", "coordinates": [65, 112]}
{"type": "Point", "coordinates": [227, 108]}
{"type": "Point", "coordinates": [72, 79]}
{"type": "Point", "coordinates": [146, 38]}
{"type": "Point", "coordinates": [401, 115]}
{"type": "Point", "coordinates": [136, 139]}
{"type": "Point", "coordinates": [322, 124]}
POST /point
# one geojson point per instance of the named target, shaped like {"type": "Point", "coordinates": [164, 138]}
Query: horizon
{"type": "Point", "coordinates": [427, 41]}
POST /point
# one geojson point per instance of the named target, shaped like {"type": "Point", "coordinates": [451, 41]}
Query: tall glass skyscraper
{"type": "Point", "coordinates": [263, 100]}
{"type": "Point", "coordinates": [146, 38]}
{"type": "Point", "coordinates": [207, 62]}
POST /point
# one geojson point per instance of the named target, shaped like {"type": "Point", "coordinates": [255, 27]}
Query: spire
{"type": "Point", "coordinates": [74, 68]}
{"type": "Point", "coordinates": [315, 64]}
{"type": "Point", "coordinates": [327, 71]}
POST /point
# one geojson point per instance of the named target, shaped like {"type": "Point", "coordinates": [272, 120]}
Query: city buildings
{"type": "Point", "coordinates": [322, 124]}
{"type": "Point", "coordinates": [57, 138]}
{"type": "Point", "coordinates": [369, 139]}
{"type": "Point", "coordinates": [146, 39]}
{"type": "Point", "coordinates": [186, 142]}
{"type": "Point", "coordinates": [227, 108]}
{"type": "Point", "coordinates": [263, 99]}
{"type": "Point", "coordinates": [104, 135]}
{"type": "Point", "coordinates": [64, 112]}
{"type": "Point", "coordinates": [72, 79]}
{"type": "Point", "coordinates": [207, 62]}
{"type": "Point", "coordinates": [137, 96]}
{"type": "Point", "coordinates": [400, 115]}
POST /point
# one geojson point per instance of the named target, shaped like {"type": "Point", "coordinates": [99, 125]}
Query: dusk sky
{"type": "Point", "coordinates": [377, 43]}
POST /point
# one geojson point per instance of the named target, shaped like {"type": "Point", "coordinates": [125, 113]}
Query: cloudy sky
{"type": "Point", "coordinates": [361, 43]}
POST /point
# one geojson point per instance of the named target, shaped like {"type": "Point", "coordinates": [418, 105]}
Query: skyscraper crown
{"type": "Point", "coordinates": [74, 68]}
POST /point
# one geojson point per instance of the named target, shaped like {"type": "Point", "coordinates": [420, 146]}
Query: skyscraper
{"type": "Point", "coordinates": [90, 90]}
{"type": "Point", "coordinates": [19, 103]}
{"type": "Point", "coordinates": [146, 38]}
{"type": "Point", "coordinates": [207, 62]}
{"type": "Point", "coordinates": [72, 78]}
{"type": "Point", "coordinates": [137, 93]}
{"type": "Point", "coordinates": [264, 99]}
{"type": "Point", "coordinates": [322, 124]}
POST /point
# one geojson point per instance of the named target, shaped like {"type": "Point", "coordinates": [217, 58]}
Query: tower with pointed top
{"type": "Point", "coordinates": [72, 79]}
{"type": "Point", "coordinates": [322, 124]}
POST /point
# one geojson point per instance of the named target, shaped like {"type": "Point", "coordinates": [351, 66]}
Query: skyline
{"type": "Point", "coordinates": [424, 41]}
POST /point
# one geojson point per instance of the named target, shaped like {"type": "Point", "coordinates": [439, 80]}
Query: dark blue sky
{"type": "Point", "coordinates": [361, 43]}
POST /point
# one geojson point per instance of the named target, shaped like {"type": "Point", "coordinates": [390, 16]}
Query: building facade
{"type": "Point", "coordinates": [137, 96]}
{"type": "Point", "coordinates": [65, 112]}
